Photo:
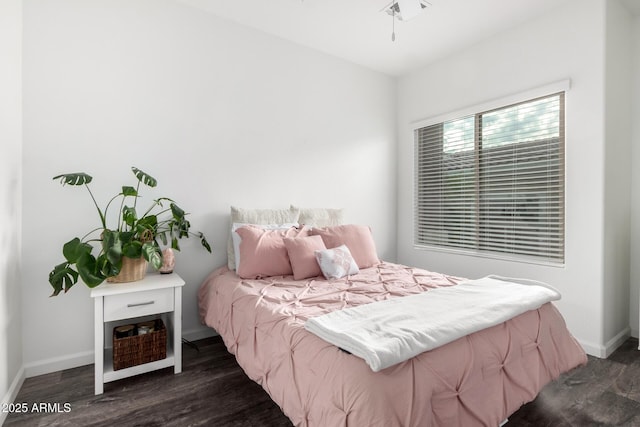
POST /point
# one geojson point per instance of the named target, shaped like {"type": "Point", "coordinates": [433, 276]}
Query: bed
{"type": "Point", "coordinates": [479, 379]}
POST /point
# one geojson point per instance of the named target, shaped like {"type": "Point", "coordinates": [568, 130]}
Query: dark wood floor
{"type": "Point", "coordinates": [213, 391]}
{"type": "Point", "coordinates": [605, 392]}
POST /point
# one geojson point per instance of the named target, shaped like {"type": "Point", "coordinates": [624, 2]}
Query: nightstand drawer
{"type": "Point", "coordinates": [124, 306]}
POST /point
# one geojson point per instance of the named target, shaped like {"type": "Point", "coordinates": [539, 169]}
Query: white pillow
{"type": "Point", "coordinates": [336, 263]}
{"type": "Point", "coordinates": [258, 216]}
{"type": "Point", "coordinates": [236, 239]}
{"type": "Point", "coordinates": [320, 217]}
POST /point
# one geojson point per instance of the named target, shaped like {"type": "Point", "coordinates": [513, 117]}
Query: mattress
{"type": "Point", "coordinates": [479, 379]}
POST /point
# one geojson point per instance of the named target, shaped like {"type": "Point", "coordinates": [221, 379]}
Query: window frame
{"type": "Point", "coordinates": [496, 104]}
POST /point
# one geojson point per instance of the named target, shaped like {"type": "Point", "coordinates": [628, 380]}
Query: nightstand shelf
{"type": "Point", "coordinates": [111, 375]}
{"type": "Point", "coordinates": [157, 295]}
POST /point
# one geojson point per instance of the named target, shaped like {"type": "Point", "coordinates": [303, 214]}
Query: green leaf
{"type": "Point", "coordinates": [129, 215]}
{"type": "Point", "coordinates": [112, 246]}
{"type": "Point", "coordinates": [151, 253]}
{"type": "Point", "coordinates": [126, 237]}
{"type": "Point", "coordinates": [144, 178]}
{"type": "Point", "coordinates": [132, 249]}
{"type": "Point", "coordinates": [79, 178]}
{"type": "Point", "coordinates": [106, 268]}
{"type": "Point", "coordinates": [129, 191]}
{"type": "Point", "coordinates": [89, 271]}
{"type": "Point", "coordinates": [149, 222]}
{"type": "Point", "coordinates": [74, 248]}
{"type": "Point", "coordinates": [163, 237]}
{"type": "Point", "coordinates": [177, 213]}
{"type": "Point", "coordinates": [204, 242]}
{"type": "Point", "coordinates": [179, 222]}
{"type": "Point", "coordinates": [174, 244]}
{"type": "Point", "coordinates": [62, 277]}
{"type": "Point", "coordinates": [184, 229]}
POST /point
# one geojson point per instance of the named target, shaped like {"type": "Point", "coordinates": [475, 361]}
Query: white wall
{"type": "Point", "coordinates": [567, 43]}
{"type": "Point", "coordinates": [220, 114]}
{"type": "Point", "coordinates": [11, 373]}
{"type": "Point", "coordinates": [634, 300]}
{"type": "Point", "coordinates": [617, 200]}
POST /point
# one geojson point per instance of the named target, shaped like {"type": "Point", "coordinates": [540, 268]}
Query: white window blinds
{"type": "Point", "coordinates": [493, 182]}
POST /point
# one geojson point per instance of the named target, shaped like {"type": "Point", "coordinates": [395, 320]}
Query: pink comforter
{"type": "Point", "coordinates": [476, 380]}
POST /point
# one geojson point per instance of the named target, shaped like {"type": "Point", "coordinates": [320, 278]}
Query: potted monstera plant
{"type": "Point", "coordinates": [133, 239]}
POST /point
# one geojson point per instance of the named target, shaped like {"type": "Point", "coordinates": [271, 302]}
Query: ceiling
{"type": "Point", "coordinates": [357, 30]}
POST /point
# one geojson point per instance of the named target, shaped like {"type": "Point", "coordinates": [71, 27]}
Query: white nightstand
{"type": "Point", "coordinates": [118, 303]}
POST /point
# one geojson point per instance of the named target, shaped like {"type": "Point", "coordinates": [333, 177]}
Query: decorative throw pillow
{"type": "Point", "coordinates": [258, 216]}
{"type": "Point", "coordinates": [263, 253]}
{"type": "Point", "coordinates": [236, 239]}
{"type": "Point", "coordinates": [358, 239]}
{"type": "Point", "coordinates": [301, 251]}
{"type": "Point", "coordinates": [336, 263]}
{"type": "Point", "coordinates": [320, 217]}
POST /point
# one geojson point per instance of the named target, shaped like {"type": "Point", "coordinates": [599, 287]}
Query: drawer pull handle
{"type": "Point", "coordinates": [140, 303]}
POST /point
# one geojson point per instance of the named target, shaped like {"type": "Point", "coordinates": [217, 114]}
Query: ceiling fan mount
{"type": "Point", "coordinates": [405, 10]}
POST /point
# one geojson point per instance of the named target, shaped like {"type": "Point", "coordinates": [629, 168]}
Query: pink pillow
{"type": "Point", "coordinates": [263, 253]}
{"type": "Point", "coordinates": [357, 238]}
{"type": "Point", "coordinates": [302, 255]}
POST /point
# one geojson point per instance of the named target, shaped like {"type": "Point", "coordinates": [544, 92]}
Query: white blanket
{"type": "Point", "coordinates": [387, 332]}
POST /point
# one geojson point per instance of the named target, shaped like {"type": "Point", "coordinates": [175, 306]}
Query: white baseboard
{"type": "Point", "coordinates": [615, 342]}
{"type": "Point", "coordinates": [198, 334]}
{"type": "Point", "coordinates": [55, 364]}
{"type": "Point", "coordinates": [592, 349]}
{"type": "Point", "coordinates": [11, 394]}
{"type": "Point", "coordinates": [604, 351]}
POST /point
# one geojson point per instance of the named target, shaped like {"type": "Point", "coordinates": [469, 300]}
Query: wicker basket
{"type": "Point", "coordinates": [139, 349]}
{"type": "Point", "coordinates": [133, 269]}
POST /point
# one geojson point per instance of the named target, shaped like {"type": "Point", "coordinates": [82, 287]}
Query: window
{"type": "Point", "coordinates": [493, 182]}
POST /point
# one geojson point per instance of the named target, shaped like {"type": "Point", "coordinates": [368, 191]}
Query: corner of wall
{"type": "Point", "coordinates": [618, 170]}
{"type": "Point", "coordinates": [11, 356]}
{"type": "Point", "coordinates": [12, 392]}
{"type": "Point", "coordinates": [607, 349]}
